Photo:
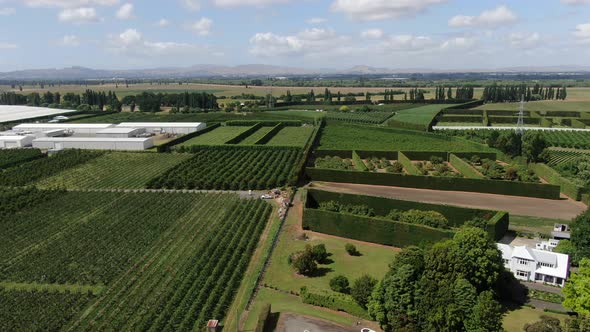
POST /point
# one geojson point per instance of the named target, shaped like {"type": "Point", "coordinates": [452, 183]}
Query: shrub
{"type": "Point", "coordinates": [320, 254]}
{"type": "Point", "coordinates": [351, 249]}
{"type": "Point", "coordinates": [436, 160]}
{"type": "Point", "coordinates": [340, 284]}
{"type": "Point", "coordinates": [362, 288]}
{"type": "Point", "coordinates": [428, 218]}
{"type": "Point", "coordinates": [304, 261]}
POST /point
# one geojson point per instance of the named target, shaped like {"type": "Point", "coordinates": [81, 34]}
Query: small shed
{"type": "Point", "coordinates": [13, 142]}
{"type": "Point", "coordinates": [212, 325]}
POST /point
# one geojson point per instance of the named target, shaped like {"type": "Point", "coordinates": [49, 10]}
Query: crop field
{"type": "Point", "coordinates": [351, 137]}
{"type": "Point", "coordinates": [256, 136]}
{"type": "Point", "coordinates": [568, 139]}
{"type": "Point", "coordinates": [161, 258]}
{"type": "Point", "coordinates": [359, 117]}
{"type": "Point", "coordinates": [233, 168]}
{"type": "Point", "coordinates": [115, 170]}
{"type": "Point", "coordinates": [562, 156]}
{"type": "Point", "coordinates": [544, 105]}
{"type": "Point", "coordinates": [217, 136]}
{"type": "Point", "coordinates": [420, 115]}
{"type": "Point", "coordinates": [38, 169]}
{"type": "Point", "coordinates": [291, 136]}
{"type": "Point", "coordinates": [13, 157]}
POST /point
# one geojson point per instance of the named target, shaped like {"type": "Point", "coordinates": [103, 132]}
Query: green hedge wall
{"type": "Point", "coordinates": [437, 183]}
{"type": "Point", "coordinates": [465, 168]}
{"type": "Point", "coordinates": [245, 134]}
{"type": "Point", "coordinates": [457, 216]}
{"type": "Point", "coordinates": [407, 163]}
{"type": "Point", "coordinates": [578, 124]}
{"type": "Point", "coordinates": [546, 123]}
{"type": "Point", "coordinates": [552, 176]}
{"type": "Point", "coordinates": [272, 133]}
{"type": "Point", "coordinates": [498, 225]}
{"type": "Point", "coordinates": [263, 318]}
{"type": "Point", "coordinates": [167, 147]}
{"type": "Point", "coordinates": [359, 165]}
{"type": "Point", "coordinates": [245, 123]}
{"type": "Point", "coordinates": [391, 233]}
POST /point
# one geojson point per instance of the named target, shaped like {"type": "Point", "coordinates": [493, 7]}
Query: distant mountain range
{"type": "Point", "coordinates": [253, 70]}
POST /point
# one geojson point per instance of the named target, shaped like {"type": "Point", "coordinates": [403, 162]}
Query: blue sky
{"type": "Point", "coordinates": [440, 34]}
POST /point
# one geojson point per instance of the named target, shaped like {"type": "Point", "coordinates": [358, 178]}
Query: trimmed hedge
{"type": "Point", "coordinates": [263, 318]}
{"type": "Point", "coordinates": [464, 168]}
{"type": "Point", "coordinates": [578, 124]}
{"type": "Point", "coordinates": [394, 155]}
{"type": "Point", "coordinates": [437, 183]}
{"type": "Point", "coordinates": [547, 123]}
{"type": "Point", "coordinates": [359, 164]}
{"type": "Point", "coordinates": [246, 123]}
{"type": "Point", "coordinates": [337, 302]}
{"type": "Point", "coordinates": [167, 147]}
{"type": "Point", "coordinates": [272, 133]}
{"type": "Point", "coordinates": [244, 134]}
{"type": "Point", "coordinates": [405, 125]}
{"type": "Point", "coordinates": [457, 216]}
{"type": "Point", "coordinates": [486, 119]}
{"type": "Point", "coordinates": [552, 176]}
{"type": "Point", "coordinates": [375, 230]}
{"type": "Point", "coordinates": [498, 225]}
{"type": "Point", "coordinates": [408, 165]}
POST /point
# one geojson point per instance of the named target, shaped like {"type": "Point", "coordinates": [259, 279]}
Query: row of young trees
{"type": "Point", "coordinates": [504, 93]}
{"type": "Point", "coordinates": [152, 102]}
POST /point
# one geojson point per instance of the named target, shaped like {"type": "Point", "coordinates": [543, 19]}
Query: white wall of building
{"type": "Point", "coordinates": [11, 142]}
{"type": "Point", "coordinates": [176, 128]}
{"type": "Point", "coordinates": [94, 143]}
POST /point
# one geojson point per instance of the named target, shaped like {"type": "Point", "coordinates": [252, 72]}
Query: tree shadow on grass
{"type": "Point", "coordinates": [320, 272]}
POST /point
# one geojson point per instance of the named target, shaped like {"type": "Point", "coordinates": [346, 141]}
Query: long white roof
{"type": "Point", "coordinates": [29, 126]}
{"type": "Point", "coordinates": [92, 139]}
{"type": "Point", "coordinates": [13, 138]}
{"type": "Point", "coordinates": [160, 124]}
{"type": "Point", "coordinates": [117, 130]}
{"type": "Point", "coordinates": [10, 113]}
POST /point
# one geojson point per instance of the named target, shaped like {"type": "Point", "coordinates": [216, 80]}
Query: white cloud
{"type": "Point", "coordinates": [523, 40]}
{"type": "Point", "coordinates": [125, 12]}
{"type": "Point", "coordinates": [576, 2]}
{"type": "Point", "coordinates": [201, 27]}
{"type": "Point", "coordinates": [131, 42]}
{"type": "Point", "coordinates": [316, 20]}
{"type": "Point", "coordinates": [372, 10]}
{"type": "Point", "coordinates": [78, 15]}
{"type": "Point", "coordinates": [407, 43]}
{"type": "Point", "coordinates": [162, 23]}
{"type": "Point", "coordinates": [70, 41]}
{"type": "Point", "coordinates": [7, 46]}
{"type": "Point", "coordinates": [309, 43]}
{"type": "Point", "coordinates": [582, 33]}
{"type": "Point", "coordinates": [69, 3]}
{"type": "Point", "coordinates": [458, 43]}
{"type": "Point", "coordinates": [192, 5]}
{"type": "Point", "coordinates": [235, 3]}
{"type": "Point", "coordinates": [7, 11]}
{"type": "Point", "coordinates": [498, 16]}
{"type": "Point", "coordinates": [372, 34]}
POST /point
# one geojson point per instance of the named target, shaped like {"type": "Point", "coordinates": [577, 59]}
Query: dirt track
{"type": "Point", "coordinates": [564, 209]}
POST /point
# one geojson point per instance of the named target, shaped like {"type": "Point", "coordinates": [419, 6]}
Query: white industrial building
{"type": "Point", "coordinates": [166, 127]}
{"type": "Point", "coordinates": [120, 132]}
{"type": "Point", "coordinates": [535, 265]}
{"type": "Point", "coordinates": [75, 128]}
{"type": "Point", "coordinates": [11, 142]}
{"type": "Point", "coordinates": [10, 113]}
{"type": "Point", "coordinates": [94, 143]}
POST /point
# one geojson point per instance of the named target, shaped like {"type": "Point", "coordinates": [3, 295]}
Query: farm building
{"type": "Point", "coordinates": [8, 142]}
{"type": "Point", "coordinates": [9, 113]}
{"type": "Point", "coordinates": [166, 127]}
{"type": "Point", "coordinates": [76, 128]}
{"type": "Point", "coordinates": [94, 143]}
{"type": "Point", "coordinates": [120, 132]}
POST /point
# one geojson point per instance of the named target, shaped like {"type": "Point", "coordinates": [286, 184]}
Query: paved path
{"type": "Point", "coordinates": [564, 209]}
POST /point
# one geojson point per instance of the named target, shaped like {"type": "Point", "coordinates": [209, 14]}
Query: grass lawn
{"type": "Point", "coordinates": [420, 115]}
{"type": "Point", "coordinates": [374, 261]}
{"type": "Point", "coordinates": [115, 170]}
{"type": "Point", "coordinates": [291, 136]}
{"type": "Point", "coordinates": [533, 224]}
{"type": "Point", "coordinates": [255, 136]}
{"type": "Point", "coordinates": [515, 320]}
{"type": "Point", "coordinates": [354, 137]}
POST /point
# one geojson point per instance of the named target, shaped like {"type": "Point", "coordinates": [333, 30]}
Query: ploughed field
{"type": "Point", "coordinates": [122, 261]}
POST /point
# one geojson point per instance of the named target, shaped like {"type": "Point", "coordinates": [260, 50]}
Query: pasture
{"type": "Point", "coordinates": [135, 238]}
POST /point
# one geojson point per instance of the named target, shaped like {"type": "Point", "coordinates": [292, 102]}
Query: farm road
{"type": "Point", "coordinates": [564, 209]}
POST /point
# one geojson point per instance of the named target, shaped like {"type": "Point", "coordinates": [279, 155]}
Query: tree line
{"type": "Point", "coordinates": [513, 93]}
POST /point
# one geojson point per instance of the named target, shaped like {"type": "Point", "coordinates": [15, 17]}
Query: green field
{"type": "Point", "coordinates": [254, 137]}
{"type": "Point", "coordinates": [534, 224]}
{"type": "Point", "coordinates": [540, 106]}
{"type": "Point", "coordinates": [170, 261]}
{"type": "Point", "coordinates": [217, 136]}
{"type": "Point", "coordinates": [515, 320]}
{"type": "Point", "coordinates": [420, 115]}
{"type": "Point", "coordinates": [291, 136]}
{"type": "Point", "coordinates": [352, 137]}
{"type": "Point", "coordinates": [116, 170]}
{"type": "Point", "coordinates": [359, 117]}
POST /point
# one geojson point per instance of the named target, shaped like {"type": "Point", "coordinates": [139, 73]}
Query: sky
{"type": "Point", "coordinates": [331, 34]}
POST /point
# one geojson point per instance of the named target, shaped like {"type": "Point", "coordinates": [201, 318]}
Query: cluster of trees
{"type": "Point", "coordinates": [578, 247]}
{"type": "Point", "coordinates": [12, 98]}
{"type": "Point", "coordinates": [455, 285]}
{"type": "Point", "coordinates": [88, 100]}
{"type": "Point", "coordinates": [502, 93]}
{"type": "Point", "coordinates": [530, 145]}
{"type": "Point", "coordinates": [152, 102]}
{"type": "Point", "coordinates": [306, 262]}
{"type": "Point", "coordinates": [461, 93]}
{"type": "Point", "coordinates": [577, 169]}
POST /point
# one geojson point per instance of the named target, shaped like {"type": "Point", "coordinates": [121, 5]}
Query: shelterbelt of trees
{"type": "Point", "coordinates": [101, 101]}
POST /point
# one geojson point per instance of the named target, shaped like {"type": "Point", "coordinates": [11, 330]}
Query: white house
{"type": "Point", "coordinates": [535, 265]}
